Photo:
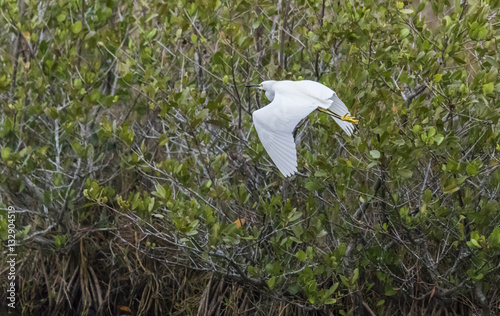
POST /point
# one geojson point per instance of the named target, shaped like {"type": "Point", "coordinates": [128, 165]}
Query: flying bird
{"type": "Point", "coordinates": [292, 101]}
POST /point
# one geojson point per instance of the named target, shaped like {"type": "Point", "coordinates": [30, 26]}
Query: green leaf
{"type": "Point", "coordinates": [294, 289]}
{"type": "Point", "coordinates": [313, 186]}
{"type": "Point", "coordinates": [5, 153]}
{"type": "Point", "coordinates": [404, 32]}
{"type": "Point", "coordinates": [332, 289]}
{"type": "Point", "coordinates": [439, 139]}
{"type": "Point", "coordinates": [437, 78]}
{"type": "Point", "coordinates": [271, 282]}
{"type": "Point", "coordinates": [301, 255]}
{"type": "Point", "coordinates": [406, 11]}
{"type": "Point", "coordinates": [421, 6]}
{"type": "Point", "coordinates": [295, 216]}
{"type": "Point", "coordinates": [61, 17]}
{"type": "Point", "coordinates": [475, 243]}
{"type": "Point", "coordinates": [152, 16]}
{"type": "Point", "coordinates": [269, 268]}
{"type": "Point", "coordinates": [355, 276]}
{"type": "Point", "coordinates": [375, 154]}
{"type": "Point", "coordinates": [405, 173]}
{"type": "Point", "coordinates": [451, 188]}
{"type": "Point", "coordinates": [163, 140]}
{"type": "Point", "coordinates": [390, 292]}
{"type": "Point", "coordinates": [427, 196]}
{"type": "Point", "coordinates": [488, 88]}
{"type": "Point", "coordinates": [345, 281]}
{"type": "Point", "coordinates": [321, 174]}
{"type": "Point", "coordinates": [431, 132]}
{"type": "Point", "coordinates": [77, 27]}
{"type": "Point", "coordinates": [151, 34]}
{"type": "Point", "coordinates": [310, 253]}
{"type": "Point", "coordinates": [194, 38]}
{"type": "Point", "coordinates": [482, 32]}
{"type": "Point", "coordinates": [471, 170]}
{"type": "Point", "coordinates": [161, 191]}
{"type": "Point", "coordinates": [494, 238]}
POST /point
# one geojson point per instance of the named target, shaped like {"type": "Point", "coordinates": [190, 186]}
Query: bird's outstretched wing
{"type": "Point", "coordinates": [275, 124]}
{"type": "Point", "coordinates": [280, 147]}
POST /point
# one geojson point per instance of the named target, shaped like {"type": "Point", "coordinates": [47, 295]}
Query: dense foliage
{"type": "Point", "coordinates": [128, 152]}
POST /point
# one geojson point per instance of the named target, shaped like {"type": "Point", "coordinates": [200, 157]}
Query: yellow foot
{"type": "Point", "coordinates": [350, 119]}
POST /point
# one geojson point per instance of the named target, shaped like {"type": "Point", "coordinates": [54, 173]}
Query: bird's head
{"type": "Point", "coordinates": [265, 85]}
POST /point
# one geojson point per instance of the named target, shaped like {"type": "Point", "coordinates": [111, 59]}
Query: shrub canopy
{"type": "Point", "coordinates": [128, 152]}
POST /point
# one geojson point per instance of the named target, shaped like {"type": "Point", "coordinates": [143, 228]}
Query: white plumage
{"type": "Point", "coordinates": [291, 102]}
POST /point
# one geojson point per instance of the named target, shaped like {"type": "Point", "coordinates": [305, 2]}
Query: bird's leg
{"type": "Point", "coordinates": [346, 117]}
{"type": "Point", "coordinates": [350, 119]}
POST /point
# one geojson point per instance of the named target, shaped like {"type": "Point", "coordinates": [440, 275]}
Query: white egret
{"type": "Point", "coordinates": [292, 101]}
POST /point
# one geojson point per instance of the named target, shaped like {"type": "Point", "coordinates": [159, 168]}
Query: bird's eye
{"type": "Point", "coordinates": [260, 84]}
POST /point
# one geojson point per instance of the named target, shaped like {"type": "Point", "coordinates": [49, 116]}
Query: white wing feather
{"type": "Point", "coordinates": [281, 148]}
{"type": "Point", "coordinates": [275, 124]}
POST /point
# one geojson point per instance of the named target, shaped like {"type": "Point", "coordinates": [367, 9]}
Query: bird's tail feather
{"type": "Point", "coordinates": [338, 110]}
{"type": "Point", "coordinates": [346, 126]}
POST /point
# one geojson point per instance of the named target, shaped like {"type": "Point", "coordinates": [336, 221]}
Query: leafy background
{"type": "Point", "coordinates": [140, 186]}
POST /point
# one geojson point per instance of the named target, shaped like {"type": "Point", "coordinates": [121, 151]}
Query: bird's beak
{"type": "Point", "coordinates": [254, 86]}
